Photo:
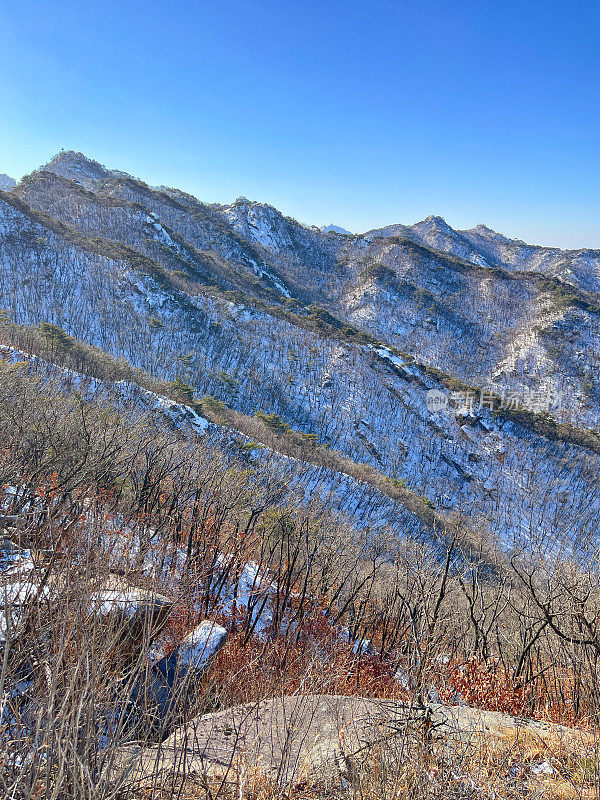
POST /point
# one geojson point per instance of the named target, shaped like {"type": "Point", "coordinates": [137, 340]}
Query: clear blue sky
{"type": "Point", "coordinates": [357, 113]}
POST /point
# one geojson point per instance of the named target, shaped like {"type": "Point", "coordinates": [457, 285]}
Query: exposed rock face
{"type": "Point", "coordinates": [82, 170]}
{"type": "Point", "coordinates": [335, 229]}
{"type": "Point", "coordinates": [201, 645]}
{"type": "Point", "coordinates": [287, 738]}
{"type": "Point", "coordinates": [320, 737]}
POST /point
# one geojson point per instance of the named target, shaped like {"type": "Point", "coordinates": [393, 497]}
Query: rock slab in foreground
{"type": "Point", "coordinates": [321, 737]}
{"type": "Point", "coordinates": [287, 738]}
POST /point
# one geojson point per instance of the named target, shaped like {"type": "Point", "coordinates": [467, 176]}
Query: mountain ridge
{"type": "Point", "coordinates": [341, 337]}
{"type": "Point", "coordinates": [75, 162]}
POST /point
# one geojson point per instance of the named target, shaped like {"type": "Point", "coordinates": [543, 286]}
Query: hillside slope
{"type": "Point", "coordinates": [251, 307]}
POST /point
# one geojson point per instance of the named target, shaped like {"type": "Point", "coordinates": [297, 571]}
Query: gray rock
{"type": "Point", "coordinates": [8, 547]}
{"type": "Point", "coordinates": [318, 736]}
{"type": "Point", "coordinates": [201, 645]}
{"type": "Point", "coordinates": [180, 670]}
{"type": "Point", "coordinates": [11, 554]}
{"type": "Point", "coordinates": [324, 738]}
{"type": "Point", "coordinates": [133, 612]}
{"type": "Point", "coordinates": [6, 520]}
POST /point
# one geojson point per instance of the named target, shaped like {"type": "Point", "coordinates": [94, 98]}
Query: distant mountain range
{"type": "Point", "coordinates": [342, 335]}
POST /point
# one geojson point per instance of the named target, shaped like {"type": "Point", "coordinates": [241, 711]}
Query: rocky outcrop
{"type": "Point", "coordinates": [129, 613]}
{"type": "Point", "coordinates": [133, 612]}
{"type": "Point", "coordinates": [285, 737]}
{"type": "Point", "coordinates": [314, 737]}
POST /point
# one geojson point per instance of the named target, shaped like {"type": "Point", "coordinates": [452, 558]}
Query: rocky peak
{"type": "Point", "coordinates": [486, 232]}
{"type": "Point", "coordinates": [434, 223]}
{"type": "Point", "coordinates": [6, 182]}
{"type": "Point", "coordinates": [78, 167]}
{"type": "Point", "coordinates": [334, 229]}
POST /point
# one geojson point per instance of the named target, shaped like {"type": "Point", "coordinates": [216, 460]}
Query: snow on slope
{"type": "Point", "coordinates": [369, 405]}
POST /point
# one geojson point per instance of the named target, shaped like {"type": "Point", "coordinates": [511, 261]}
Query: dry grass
{"type": "Point", "coordinates": [119, 482]}
{"type": "Point", "coordinates": [513, 762]}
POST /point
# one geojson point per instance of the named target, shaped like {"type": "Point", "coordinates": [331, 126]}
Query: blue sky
{"type": "Point", "coordinates": [356, 113]}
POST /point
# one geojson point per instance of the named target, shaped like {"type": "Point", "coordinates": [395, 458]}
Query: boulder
{"type": "Point", "coordinates": [201, 645]}
{"type": "Point", "coordinates": [9, 548]}
{"type": "Point", "coordinates": [134, 613]}
{"type": "Point", "coordinates": [180, 670]}
{"type": "Point", "coordinates": [12, 554]}
{"type": "Point", "coordinates": [288, 738]}
{"type": "Point", "coordinates": [320, 738]}
{"type": "Point", "coordinates": [196, 651]}
{"type": "Point", "coordinates": [9, 520]}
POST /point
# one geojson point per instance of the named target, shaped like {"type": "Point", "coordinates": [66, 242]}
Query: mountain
{"type": "Point", "coordinates": [341, 337]}
{"type": "Point", "coordinates": [334, 229]}
{"type": "Point", "coordinates": [6, 182]}
{"type": "Point", "coordinates": [82, 170]}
